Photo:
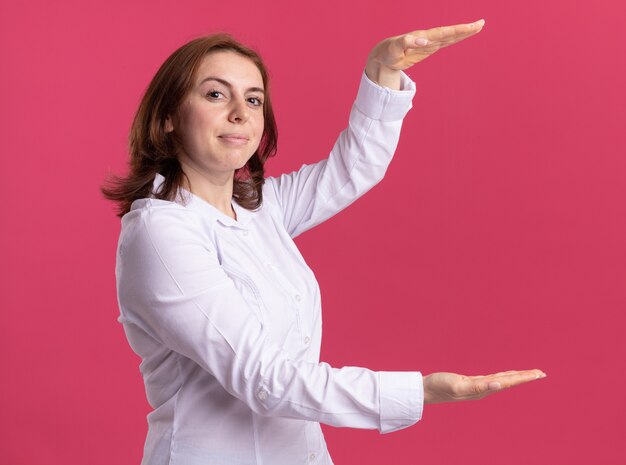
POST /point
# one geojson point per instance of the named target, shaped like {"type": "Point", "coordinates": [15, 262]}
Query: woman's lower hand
{"type": "Point", "coordinates": [451, 387]}
{"type": "Point", "coordinates": [398, 53]}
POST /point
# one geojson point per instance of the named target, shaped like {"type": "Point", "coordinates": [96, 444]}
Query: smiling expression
{"type": "Point", "coordinates": [220, 122]}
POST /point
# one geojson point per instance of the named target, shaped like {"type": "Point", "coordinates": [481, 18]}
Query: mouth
{"type": "Point", "coordinates": [234, 139]}
{"type": "Point", "coordinates": [240, 137]}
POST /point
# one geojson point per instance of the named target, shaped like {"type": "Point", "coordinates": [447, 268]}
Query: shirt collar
{"type": "Point", "coordinates": [244, 216]}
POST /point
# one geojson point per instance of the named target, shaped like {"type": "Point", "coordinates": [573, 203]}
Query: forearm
{"type": "Point", "coordinates": [358, 159]}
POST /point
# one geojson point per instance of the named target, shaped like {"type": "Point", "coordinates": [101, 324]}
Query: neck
{"type": "Point", "coordinates": [215, 189]}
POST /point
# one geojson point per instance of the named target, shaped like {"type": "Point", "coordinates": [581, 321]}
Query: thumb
{"type": "Point", "coordinates": [413, 41]}
{"type": "Point", "coordinates": [481, 388]}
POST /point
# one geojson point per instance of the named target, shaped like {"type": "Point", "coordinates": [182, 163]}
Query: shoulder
{"type": "Point", "coordinates": [160, 222]}
{"type": "Point", "coordinates": [271, 203]}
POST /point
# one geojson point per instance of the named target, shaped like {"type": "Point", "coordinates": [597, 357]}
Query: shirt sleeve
{"type": "Point", "coordinates": [171, 285]}
{"type": "Point", "coordinates": [357, 162]}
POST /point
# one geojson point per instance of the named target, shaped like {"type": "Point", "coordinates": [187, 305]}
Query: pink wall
{"type": "Point", "coordinates": [495, 242]}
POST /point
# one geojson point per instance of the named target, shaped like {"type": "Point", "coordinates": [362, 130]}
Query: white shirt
{"type": "Point", "coordinates": [226, 315]}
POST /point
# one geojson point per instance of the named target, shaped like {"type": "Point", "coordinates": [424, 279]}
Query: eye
{"type": "Point", "coordinates": [213, 94]}
{"type": "Point", "coordinates": [256, 101]}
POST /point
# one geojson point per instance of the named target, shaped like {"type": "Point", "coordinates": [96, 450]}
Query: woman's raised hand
{"type": "Point", "coordinates": [450, 387]}
{"type": "Point", "coordinates": [401, 52]}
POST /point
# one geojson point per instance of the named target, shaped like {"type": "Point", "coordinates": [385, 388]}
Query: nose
{"type": "Point", "coordinates": [239, 112]}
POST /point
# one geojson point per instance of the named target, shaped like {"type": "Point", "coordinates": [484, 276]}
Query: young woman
{"type": "Point", "coordinates": [214, 295]}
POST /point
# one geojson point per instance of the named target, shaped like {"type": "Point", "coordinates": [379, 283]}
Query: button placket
{"type": "Point", "coordinates": [298, 298]}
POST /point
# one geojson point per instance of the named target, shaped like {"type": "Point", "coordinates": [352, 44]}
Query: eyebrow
{"type": "Point", "coordinates": [229, 85]}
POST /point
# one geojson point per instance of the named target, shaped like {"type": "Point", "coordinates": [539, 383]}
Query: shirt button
{"type": "Point", "coordinates": [297, 297]}
{"type": "Point", "coordinates": [311, 457]}
{"type": "Point", "coordinates": [262, 395]}
{"type": "Point", "coordinates": [307, 339]}
{"type": "Point", "coordinates": [245, 232]}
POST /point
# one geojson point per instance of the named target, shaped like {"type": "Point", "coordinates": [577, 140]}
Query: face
{"type": "Point", "coordinates": [220, 121]}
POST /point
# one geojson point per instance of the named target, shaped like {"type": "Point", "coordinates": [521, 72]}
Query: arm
{"type": "Point", "coordinates": [305, 207]}
{"type": "Point", "coordinates": [384, 65]}
{"type": "Point", "coordinates": [357, 162]}
{"type": "Point", "coordinates": [360, 156]}
{"type": "Point", "coordinates": [171, 285]}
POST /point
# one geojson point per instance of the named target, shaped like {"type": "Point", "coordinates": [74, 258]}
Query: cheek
{"type": "Point", "coordinates": [202, 121]}
{"type": "Point", "coordinates": [260, 126]}
{"type": "Point", "coordinates": [195, 119]}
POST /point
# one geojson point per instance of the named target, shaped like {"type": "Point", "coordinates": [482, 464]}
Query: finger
{"type": "Point", "coordinates": [455, 39]}
{"type": "Point", "coordinates": [478, 388]}
{"type": "Point", "coordinates": [447, 33]}
{"type": "Point", "coordinates": [417, 43]}
{"type": "Point", "coordinates": [501, 373]}
{"type": "Point", "coordinates": [493, 375]}
{"type": "Point", "coordinates": [516, 378]}
{"type": "Point", "coordinates": [538, 373]}
{"type": "Point", "coordinates": [410, 41]}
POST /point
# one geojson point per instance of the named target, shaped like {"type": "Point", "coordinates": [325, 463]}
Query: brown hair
{"type": "Point", "coordinates": [152, 150]}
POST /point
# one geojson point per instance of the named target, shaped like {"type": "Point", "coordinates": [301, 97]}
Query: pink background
{"type": "Point", "coordinates": [495, 242]}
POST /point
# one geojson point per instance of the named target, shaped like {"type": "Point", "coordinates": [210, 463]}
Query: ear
{"type": "Point", "coordinates": [169, 126]}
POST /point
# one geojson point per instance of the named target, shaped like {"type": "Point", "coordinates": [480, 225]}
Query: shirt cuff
{"type": "Point", "coordinates": [383, 103]}
{"type": "Point", "coordinates": [401, 399]}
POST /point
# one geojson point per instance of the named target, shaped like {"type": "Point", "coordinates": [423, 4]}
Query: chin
{"type": "Point", "coordinates": [244, 163]}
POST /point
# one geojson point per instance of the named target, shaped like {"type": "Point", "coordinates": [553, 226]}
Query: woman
{"type": "Point", "coordinates": [213, 293]}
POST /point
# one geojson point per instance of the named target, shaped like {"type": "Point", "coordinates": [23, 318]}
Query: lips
{"type": "Point", "coordinates": [234, 140]}
{"type": "Point", "coordinates": [240, 137]}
